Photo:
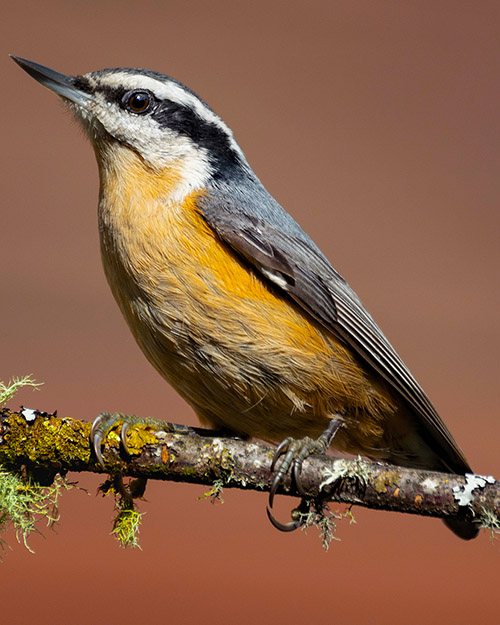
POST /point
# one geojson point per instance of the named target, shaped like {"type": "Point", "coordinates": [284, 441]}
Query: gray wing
{"type": "Point", "coordinates": [288, 258]}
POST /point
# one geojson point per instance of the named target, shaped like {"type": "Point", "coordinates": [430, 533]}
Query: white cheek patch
{"type": "Point", "coordinates": [159, 147]}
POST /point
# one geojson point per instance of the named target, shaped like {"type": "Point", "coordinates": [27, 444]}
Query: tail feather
{"type": "Point", "coordinates": [463, 529]}
{"type": "Point", "coordinates": [419, 450]}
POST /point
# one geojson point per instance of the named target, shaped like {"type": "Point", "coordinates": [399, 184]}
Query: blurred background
{"type": "Point", "coordinates": [376, 125]}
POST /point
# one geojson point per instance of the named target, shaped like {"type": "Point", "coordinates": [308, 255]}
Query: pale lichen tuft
{"type": "Point", "coordinates": [23, 502]}
{"type": "Point", "coordinates": [489, 521]}
{"type": "Point", "coordinates": [7, 391]}
{"type": "Point", "coordinates": [322, 518]}
{"type": "Point", "coordinates": [345, 470]}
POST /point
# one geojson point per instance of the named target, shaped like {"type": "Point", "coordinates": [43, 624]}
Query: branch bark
{"type": "Point", "coordinates": [46, 444]}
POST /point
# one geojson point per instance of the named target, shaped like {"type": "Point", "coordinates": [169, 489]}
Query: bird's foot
{"type": "Point", "coordinates": [101, 427]}
{"type": "Point", "coordinates": [292, 453]}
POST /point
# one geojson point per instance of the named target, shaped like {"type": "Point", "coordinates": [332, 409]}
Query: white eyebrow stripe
{"type": "Point", "coordinates": [166, 90]}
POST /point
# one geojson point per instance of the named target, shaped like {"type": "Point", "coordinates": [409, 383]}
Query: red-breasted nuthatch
{"type": "Point", "coordinates": [226, 295]}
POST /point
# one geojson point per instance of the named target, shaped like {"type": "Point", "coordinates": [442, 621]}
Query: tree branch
{"type": "Point", "coordinates": [45, 444]}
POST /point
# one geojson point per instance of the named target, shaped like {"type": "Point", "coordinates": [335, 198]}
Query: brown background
{"type": "Point", "coordinates": [376, 125]}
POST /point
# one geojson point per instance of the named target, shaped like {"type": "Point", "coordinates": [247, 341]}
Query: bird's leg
{"type": "Point", "coordinates": [293, 452]}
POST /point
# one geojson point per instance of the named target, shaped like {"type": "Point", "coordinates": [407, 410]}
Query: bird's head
{"type": "Point", "coordinates": [153, 115]}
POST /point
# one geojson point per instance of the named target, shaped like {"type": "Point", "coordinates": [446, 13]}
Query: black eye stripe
{"type": "Point", "coordinates": [182, 119]}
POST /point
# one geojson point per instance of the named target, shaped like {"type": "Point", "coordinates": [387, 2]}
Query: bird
{"type": "Point", "coordinates": [228, 297]}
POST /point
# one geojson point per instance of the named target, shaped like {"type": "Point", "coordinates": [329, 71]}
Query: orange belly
{"type": "Point", "coordinates": [239, 352]}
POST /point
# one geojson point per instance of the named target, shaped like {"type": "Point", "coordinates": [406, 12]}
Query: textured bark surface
{"type": "Point", "coordinates": [47, 444]}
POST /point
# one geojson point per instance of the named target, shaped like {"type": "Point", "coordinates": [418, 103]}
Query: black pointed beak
{"type": "Point", "coordinates": [64, 86]}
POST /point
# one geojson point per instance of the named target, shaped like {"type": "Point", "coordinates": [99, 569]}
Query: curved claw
{"type": "Point", "coordinates": [283, 527]}
{"type": "Point", "coordinates": [280, 450]}
{"type": "Point", "coordinates": [292, 454]}
{"type": "Point", "coordinates": [274, 487]}
{"type": "Point", "coordinates": [123, 437]}
{"type": "Point", "coordinates": [297, 469]}
{"type": "Point", "coordinates": [100, 427]}
{"type": "Point", "coordinates": [280, 474]}
{"type": "Point", "coordinates": [96, 438]}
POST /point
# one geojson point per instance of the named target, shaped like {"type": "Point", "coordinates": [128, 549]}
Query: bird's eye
{"type": "Point", "coordinates": [139, 102]}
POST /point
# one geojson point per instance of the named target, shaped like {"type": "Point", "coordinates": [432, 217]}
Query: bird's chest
{"type": "Point", "coordinates": [180, 288]}
{"type": "Point", "coordinates": [158, 255]}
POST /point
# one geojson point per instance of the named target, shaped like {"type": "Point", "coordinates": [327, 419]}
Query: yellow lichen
{"type": "Point", "coordinates": [386, 478]}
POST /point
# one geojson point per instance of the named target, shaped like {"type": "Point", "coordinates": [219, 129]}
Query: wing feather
{"type": "Point", "coordinates": [285, 255]}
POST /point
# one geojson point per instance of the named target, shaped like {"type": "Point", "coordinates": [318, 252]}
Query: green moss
{"type": "Point", "coordinates": [126, 523]}
{"type": "Point", "coordinates": [23, 502]}
{"type": "Point", "coordinates": [215, 493]}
